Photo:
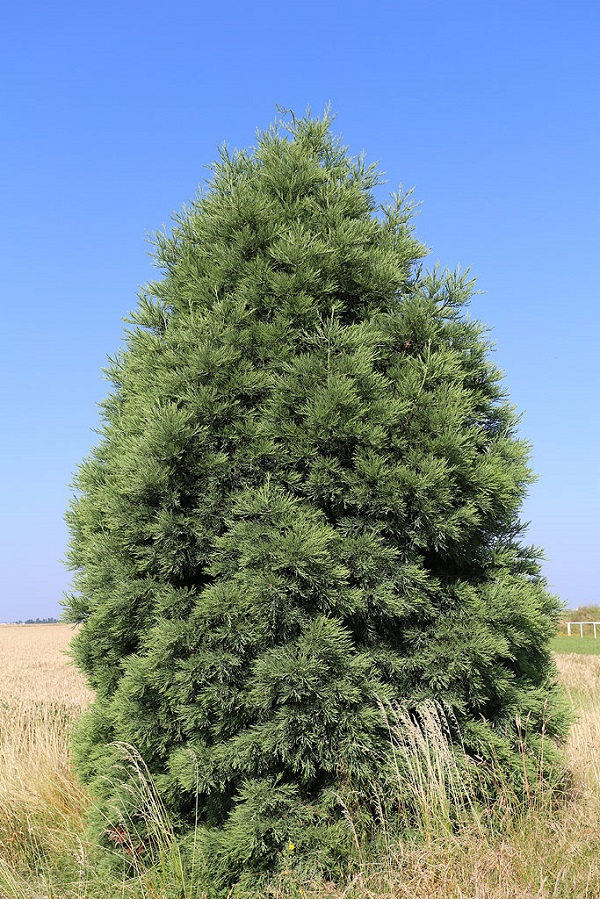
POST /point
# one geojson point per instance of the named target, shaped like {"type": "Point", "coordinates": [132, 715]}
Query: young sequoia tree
{"type": "Point", "coordinates": [304, 504]}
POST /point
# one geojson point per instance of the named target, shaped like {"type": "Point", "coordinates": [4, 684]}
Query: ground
{"type": "Point", "coordinates": [543, 850]}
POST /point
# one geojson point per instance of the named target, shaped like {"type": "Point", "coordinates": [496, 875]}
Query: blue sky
{"type": "Point", "coordinates": [109, 113]}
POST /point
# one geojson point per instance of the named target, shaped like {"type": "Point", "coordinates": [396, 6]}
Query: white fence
{"type": "Point", "coordinates": [581, 625]}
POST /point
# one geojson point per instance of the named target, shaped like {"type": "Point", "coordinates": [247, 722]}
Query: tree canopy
{"type": "Point", "coordinates": [303, 506]}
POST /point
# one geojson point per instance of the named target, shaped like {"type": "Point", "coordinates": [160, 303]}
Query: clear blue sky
{"type": "Point", "coordinates": [109, 113]}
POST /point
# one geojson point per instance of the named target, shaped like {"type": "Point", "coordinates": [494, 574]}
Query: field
{"type": "Point", "coordinates": [585, 645]}
{"type": "Point", "coordinates": [543, 850]}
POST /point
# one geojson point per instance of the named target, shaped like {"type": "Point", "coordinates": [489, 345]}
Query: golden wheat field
{"type": "Point", "coordinates": [35, 668]}
{"type": "Point", "coordinates": [41, 694]}
{"type": "Point", "coordinates": [546, 851]}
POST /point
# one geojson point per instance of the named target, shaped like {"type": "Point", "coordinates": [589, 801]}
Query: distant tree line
{"type": "Point", "coordinates": [582, 613]}
{"type": "Point", "coordinates": [38, 621]}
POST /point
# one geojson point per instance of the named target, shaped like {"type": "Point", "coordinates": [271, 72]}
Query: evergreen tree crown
{"type": "Point", "coordinates": [304, 503]}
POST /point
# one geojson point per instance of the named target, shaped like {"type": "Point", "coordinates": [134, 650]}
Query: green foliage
{"type": "Point", "coordinates": [582, 613]}
{"type": "Point", "coordinates": [304, 504]}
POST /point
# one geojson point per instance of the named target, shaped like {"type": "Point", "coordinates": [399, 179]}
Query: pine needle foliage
{"type": "Point", "coordinates": [304, 505]}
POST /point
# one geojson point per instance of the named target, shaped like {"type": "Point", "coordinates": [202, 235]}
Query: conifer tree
{"type": "Point", "coordinates": [304, 503]}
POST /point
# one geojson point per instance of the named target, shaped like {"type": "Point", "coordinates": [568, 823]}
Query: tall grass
{"type": "Point", "coordinates": [41, 805]}
{"type": "Point", "coordinates": [433, 784]}
{"type": "Point", "coordinates": [521, 848]}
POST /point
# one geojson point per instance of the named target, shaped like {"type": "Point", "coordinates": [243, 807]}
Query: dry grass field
{"type": "Point", "coordinates": [35, 667]}
{"type": "Point", "coordinates": [542, 851]}
{"type": "Point", "coordinates": [41, 694]}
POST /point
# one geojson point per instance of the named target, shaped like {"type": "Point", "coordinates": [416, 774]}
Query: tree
{"type": "Point", "coordinates": [304, 504]}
